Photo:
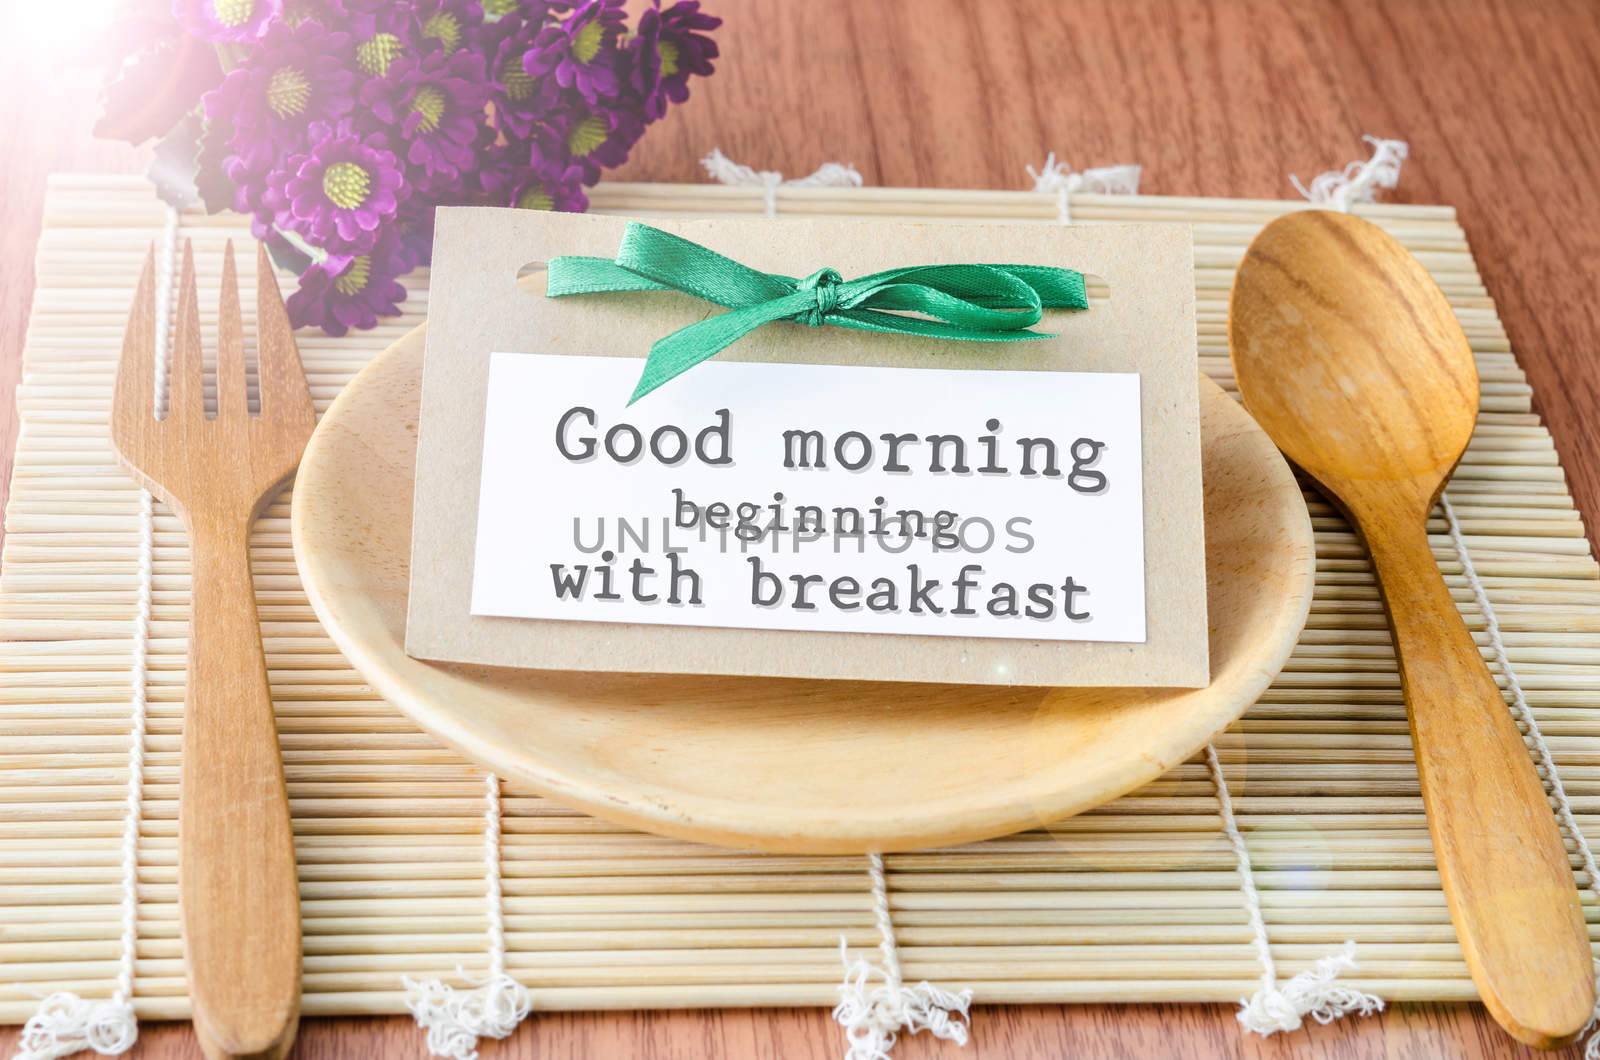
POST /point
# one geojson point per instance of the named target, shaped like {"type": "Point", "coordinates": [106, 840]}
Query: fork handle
{"type": "Point", "coordinates": [1501, 859]}
{"type": "Point", "coordinates": [237, 885]}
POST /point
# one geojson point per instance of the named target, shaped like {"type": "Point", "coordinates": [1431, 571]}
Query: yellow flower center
{"type": "Point", "coordinates": [288, 92]}
{"type": "Point", "coordinates": [535, 198]}
{"type": "Point", "coordinates": [499, 8]}
{"type": "Point", "coordinates": [232, 13]}
{"type": "Point", "coordinates": [346, 185]}
{"type": "Point", "coordinates": [375, 55]}
{"type": "Point", "coordinates": [587, 135]}
{"type": "Point", "coordinates": [428, 102]}
{"type": "Point", "coordinates": [444, 28]}
{"type": "Point", "coordinates": [519, 86]}
{"type": "Point", "coordinates": [669, 58]}
{"type": "Point", "coordinates": [586, 45]}
{"type": "Point", "coordinates": [353, 280]}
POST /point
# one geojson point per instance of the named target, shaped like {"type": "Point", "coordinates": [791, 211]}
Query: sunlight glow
{"type": "Point", "coordinates": [60, 30]}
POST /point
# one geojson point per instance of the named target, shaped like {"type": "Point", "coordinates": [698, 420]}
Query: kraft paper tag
{"type": "Point", "coordinates": [813, 501]}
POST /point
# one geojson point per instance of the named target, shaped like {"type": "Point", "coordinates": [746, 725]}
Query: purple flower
{"type": "Point", "coordinates": [437, 104]}
{"type": "Point", "coordinates": [338, 194]}
{"type": "Point", "coordinates": [226, 20]}
{"type": "Point", "coordinates": [535, 191]}
{"type": "Point", "coordinates": [521, 103]}
{"type": "Point", "coordinates": [448, 24]}
{"type": "Point", "coordinates": [510, 177]}
{"type": "Point", "coordinates": [381, 37]}
{"type": "Point", "coordinates": [534, 11]}
{"type": "Point", "coordinates": [294, 77]}
{"type": "Point", "coordinates": [327, 12]}
{"type": "Point", "coordinates": [592, 140]}
{"type": "Point", "coordinates": [669, 47]}
{"type": "Point", "coordinates": [384, 31]}
{"type": "Point", "coordinates": [253, 194]}
{"type": "Point", "coordinates": [354, 10]}
{"type": "Point", "coordinates": [580, 52]}
{"type": "Point", "coordinates": [351, 291]}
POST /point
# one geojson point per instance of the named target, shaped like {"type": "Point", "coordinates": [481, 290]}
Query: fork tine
{"type": "Point", "coordinates": [134, 395]}
{"type": "Point", "coordinates": [231, 398]}
{"type": "Point", "coordinates": [187, 380]}
{"type": "Point", "coordinates": [284, 393]}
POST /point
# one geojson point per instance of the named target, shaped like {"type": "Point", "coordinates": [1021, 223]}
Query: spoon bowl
{"type": "Point", "coordinates": [1351, 358]}
{"type": "Point", "coordinates": [1384, 388]}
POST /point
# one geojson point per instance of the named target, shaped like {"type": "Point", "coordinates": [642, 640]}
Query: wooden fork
{"type": "Point", "coordinates": [237, 889]}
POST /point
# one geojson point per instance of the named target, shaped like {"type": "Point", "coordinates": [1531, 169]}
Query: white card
{"type": "Point", "coordinates": [1040, 537]}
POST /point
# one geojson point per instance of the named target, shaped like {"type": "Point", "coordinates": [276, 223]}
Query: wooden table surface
{"type": "Point", "coordinates": [1500, 100]}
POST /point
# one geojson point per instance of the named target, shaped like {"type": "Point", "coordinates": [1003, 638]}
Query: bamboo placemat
{"type": "Point", "coordinates": [1139, 900]}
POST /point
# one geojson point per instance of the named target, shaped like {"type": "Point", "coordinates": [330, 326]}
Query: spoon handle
{"type": "Point", "coordinates": [1501, 858]}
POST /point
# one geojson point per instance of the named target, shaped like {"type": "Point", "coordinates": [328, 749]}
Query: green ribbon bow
{"type": "Point", "coordinates": [973, 303]}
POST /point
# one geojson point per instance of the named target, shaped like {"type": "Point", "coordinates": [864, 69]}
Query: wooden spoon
{"type": "Point", "coordinates": [1348, 355]}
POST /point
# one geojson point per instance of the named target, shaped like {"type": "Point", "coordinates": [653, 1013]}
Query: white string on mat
{"type": "Point", "coordinates": [455, 1019]}
{"type": "Point", "coordinates": [1522, 714]}
{"type": "Point", "coordinates": [1315, 992]}
{"type": "Point", "coordinates": [1056, 177]}
{"type": "Point", "coordinates": [66, 1023]}
{"type": "Point", "coordinates": [874, 1015]}
{"type": "Point", "coordinates": [724, 170]}
{"type": "Point", "coordinates": [1360, 180]}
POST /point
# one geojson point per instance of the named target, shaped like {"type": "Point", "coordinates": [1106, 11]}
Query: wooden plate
{"type": "Point", "coordinates": [790, 765]}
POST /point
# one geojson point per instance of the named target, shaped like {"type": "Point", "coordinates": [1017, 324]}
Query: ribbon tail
{"type": "Point", "coordinates": [674, 354]}
{"type": "Point", "coordinates": [1057, 288]}
{"type": "Point", "coordinates": [896, 324]}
